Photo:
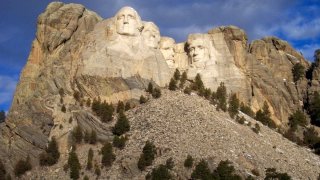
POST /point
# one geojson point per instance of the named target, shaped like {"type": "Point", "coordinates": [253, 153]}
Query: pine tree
{"type": "Point", "coordinates": [77, 134]}
{"type": "Point", "coordinates": [188, 163]}
{"type": "Point", "coordinates": [53, 150]}
{"type": "Point", "coordinates": [147, 156]}
{"type": "Point", "coordinates": [120, 106]}
{"type": "Point", "coordinates": [298, 72]}
{"type": "Point", "coordinates": [74, 165]}
{"type": "Point", "coordinates": [63, 108]}
{"type": "Point", "coordinates": [198, 84]}
{"type": "Point", "coordinates": [225, 171]}
{"type": "Point", "coordinates": [187, 90]}
{"type": "Point", "coordinates": [160, 173]}
{"type": "Point", "coordinates": [107, 155]}
{"type": "Point", "coordinates": [122, 125]}
{"type": "Point", "coordinates": [90, 158]}
{"type": "Point", "coordinates": [271, 173]}
{"type": "Point", "coordinates": [173, 84]}
{"type": "Point", "coordinates": [119, 142]}
{"type": "Point", "coordinates": [176, 75]}
{"type": "Point", "coordinates": [88, 103]}
{"type": "Point", "coordinates": [142, 99]}
{"type": "Point", "coordinates": [127, 106]}
{"type": "Point", "coordinates": [297, 119]}
{"type": "Point", "coordinates": [150, 88]}
{"type": "Point", "coordinates": [247, 110]}
{"type": "Point", "coordinates": [221, 97]}
{"type": "Point", "coordinates": [201, 171]}
{"type": "Point", "coordinates": [183, 79]}
{"type": "Point", "coordinates": [264, 116]}
{"type": "Point", "coordinates": [234, 104]}
{"type": "Point", "coordinates": [156, 93]}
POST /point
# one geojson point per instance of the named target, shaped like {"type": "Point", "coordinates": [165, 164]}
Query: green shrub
{"type": "Point", "coordinates": [263, 115]}
{"type": "Point", "coordinates": [170, 163]}
{"type": "Point", "coordinates": [22, 166]}
{"type": "Point", "coordinates": [142, 99]}
{"type": "Point", "coordinates": [120, 107]}
{"type": "Point", "coordinates": [241, 120]}
{"type": "Point", "coordinates": [197, 84]}
{"type": "Point", "coordinates": [88, 102]}
{"type": "Point", "coordinates": [188, 163]}
{"type": "Point", "coordinates": [225, 171]}
{"type": "Point", "coordinates": [127, 106]}
{"type": "Point", "coordinates": [63, 109]}
{"type": "Point", "coordinates": [160, 173]}
{"type": "Point", "coordinates": [77, 96]}
{"type": "Point", "coordinates": [187, 90]}
{"type": "Point", "coordinates": [122, 125]}
{"type": "Point", "coordinates": [97, 171]}
{"type": "Point", "coordinates": [85, 177]}
{"type": "Point", "coordinates": [271, 173]}
{"type": "Point", "coordinates": [156, 93]}
{"type": "Point", "coordinates": [119, 142]}
{"type": "Point", "coordinates": [256, 128]}
{"type": "Point", "coordinates": [107, 155]}
{"type": "Point", "coordinates": [202, 171]}
{"type": "Point", "coordinates": [93, 137]}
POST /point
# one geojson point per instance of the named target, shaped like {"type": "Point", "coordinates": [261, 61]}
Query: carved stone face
{"type": "Point", "coordinates": [151, 35]}
{"type": "Point", "coordinates": [198, 50]}
{"type": "Point", "coordinates": [167, 48]}
{"type": "Point", "coordinates": [128, 22]}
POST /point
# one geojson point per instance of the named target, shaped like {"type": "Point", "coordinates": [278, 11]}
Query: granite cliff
{"type": "Point", "coordinates": [78, 53]}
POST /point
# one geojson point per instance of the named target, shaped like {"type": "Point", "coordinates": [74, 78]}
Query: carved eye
{"type": "Point", "coordinates": [120, 17]}
{"type": "Point", "coordinates": [131, 16]}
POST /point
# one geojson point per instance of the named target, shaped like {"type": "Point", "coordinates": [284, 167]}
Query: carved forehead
{"type": "Point", "coordinates": [128, 9]}
{"type": "Point", "coordinates": [198, 39]}
{"type": "Point", "coordinates": [166, 40]}
{"type": "Point", "coordinates": [150, 26]}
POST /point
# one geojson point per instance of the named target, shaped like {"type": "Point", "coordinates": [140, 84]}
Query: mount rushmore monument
{"type": "Point", "coordinates": [114, 59]}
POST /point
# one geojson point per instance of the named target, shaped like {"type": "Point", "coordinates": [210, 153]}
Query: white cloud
{"type": "Point", "coordinates": [301, 28]}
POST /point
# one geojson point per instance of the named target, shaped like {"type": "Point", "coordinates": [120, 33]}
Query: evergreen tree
{"type": "Point", "coordinates": [188, 163]}
{"type": "Point", "coordinates": [234, 104]}
{"type": "Point", "coordinates": [77, 96]}
{"type": "Point", "coordinates": [150, 88]}
{"type": "Point", "coordinates": [127, 106]}
{"type": "Point", "coordinates": [264, 116]}
{"type": "Point", "coordinates": [147, 156]}
{"type": "Point", "coordinates": [142, 99]}
{"type": "Point", "coordinates": [176, 75]}
{"type": "Point", "coordinates": [310, 137]}
{"type": "Point", "coordinates": [207, 93]}
{"type": "Point", "coordinates": [53, 151]}
{"type": "Point", "coordinates": [119, 142]}
{"type": "Point", "coordinates": [298, 72]}
{"type": "Point", "coordinates": [202, 171]}
{"type": "Point", "coordinates": [74, 165]}
{"type": "Point", "coordinates": [93, 137]}
{"type": "Point", "coordinates": [221, 97]}
{"type": "Point", "coordinates": [297, 118]}
{"type": "Point", "coordinates": [271, 173]}
{"type": "Point", "coordinates": [225, 171]}
{"type": "Point", "coordinates": [120, 106]}
{"type": "Point", "coordinates": [61, 92]}
{"type": "Point", "coordinates": [90, 158]}
{"type": "Point", "coordinates": [160, 173]}
{"type": "Point", "coordinates": [183, 79]}
{"type": "Point", "coordinates": [122, 125]}
{"type": "Point", "coordinates": [169, 163]}
{"type": "Point", "coordinates": [247, 110]}
{"type": "Point", "coordinates": [156, 93]}
{"type": "Point", "coordinates": [2, 171]}
{"type": "Point", "coordinates": [2, 116]}
{"type": "Point", "coordinates": [107, 155]}
{"type": "Point", "coordinates": [198, 84]}
{"type": "Point", "coordinates": [187, 90]}
{"type": "Point", "coordinates": [77, 134]}
{"type": "Point", "coordinates": [173, 84]}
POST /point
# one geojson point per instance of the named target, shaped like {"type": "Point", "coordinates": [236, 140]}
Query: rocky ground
{"type": "Point", "coordinates": [181, 124]}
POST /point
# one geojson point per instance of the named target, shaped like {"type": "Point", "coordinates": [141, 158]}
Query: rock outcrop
{"type": "Point", "coordinates": [78, 54]}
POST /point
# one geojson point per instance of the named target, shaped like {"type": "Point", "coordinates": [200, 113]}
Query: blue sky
{"type": "Point", "coordinates": [296, 21]}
